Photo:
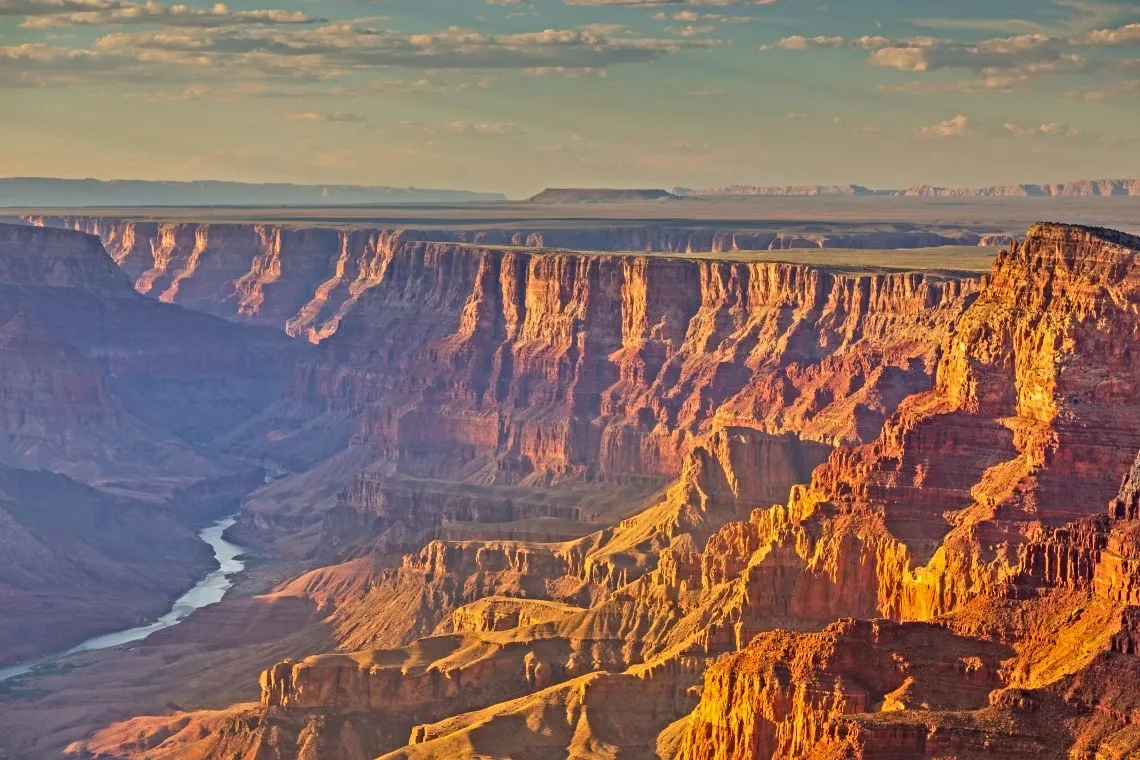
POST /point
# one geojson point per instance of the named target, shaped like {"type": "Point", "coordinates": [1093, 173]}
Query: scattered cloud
{"type": "Point", "coordinates": [325, 52]}
{"type": "Point", "coordinates": [1050, 130]}
{"type": "Point", "coordinates": [341, 117]}
{"type": "Point", "coordinates": [695, 17]}
{"type": "Point", "coordinates": [955, 127]}
{"type": "Point", "coordinates": [1000, 63]}
{"type": "Point", "coordinates": [47, 14]}
{"type": "Point", "coordinates": [673, 3]}
{"type": "Point", "coordinates": [483, 129]}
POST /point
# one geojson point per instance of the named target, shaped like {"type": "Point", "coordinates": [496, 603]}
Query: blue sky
{"type": "Point", "coordinates": [515, 96]}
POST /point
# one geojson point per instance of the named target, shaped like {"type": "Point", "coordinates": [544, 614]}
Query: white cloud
{"type": "Point", "coordinates": [956, 127]}
{"type": "Point", "coordinates": [48, 14]}
{"type": "Point", "coordinates": [342, 117]}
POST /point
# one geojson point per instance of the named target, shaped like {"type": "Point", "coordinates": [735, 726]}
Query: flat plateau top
{"type": "Point", "coordinates": [1008, 215]}
{"type": "Point", "coordinates": [952, 261]}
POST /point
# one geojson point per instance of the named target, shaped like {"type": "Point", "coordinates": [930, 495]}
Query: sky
{"type": "Point", "coordinates": [514, 96]}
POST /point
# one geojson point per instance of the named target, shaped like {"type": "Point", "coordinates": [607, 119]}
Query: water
{"type": "Point", "coordinates": [209, 590]}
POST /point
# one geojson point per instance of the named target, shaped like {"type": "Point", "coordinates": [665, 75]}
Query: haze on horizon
{"type": "Point", "coordinates": [512, 96]}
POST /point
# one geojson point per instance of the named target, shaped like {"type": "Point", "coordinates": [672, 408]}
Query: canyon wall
{"type": "Point", "coordinates": [562, 365]}
{"type": "Point", "coordinates": [304, 280]}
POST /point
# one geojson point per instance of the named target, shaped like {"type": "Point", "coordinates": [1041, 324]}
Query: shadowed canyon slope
{"type": "Point", "coordinates": [548, 504]}
{"type": "Point", "coordinates": [110, 389]}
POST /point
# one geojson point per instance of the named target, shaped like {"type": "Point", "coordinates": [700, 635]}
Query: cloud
{"type": "Point", "coordinates": [341, 117]}
{"type": "Point", "coordinates": [202, 53]}
{"type": "Point", "coordinates": [348, 46]}
{"type": "Point", "coordinates": [1050, 129]}
{"type": "Point", "coordinates": [51, 7]}
{"type": "Point", "coordinates": [1056, 129]}
{"type": "Point", "coordinates": [50, 14]}
{"type": "Point", "coordinates": [1003, 62]}
{"type": "Point", "coordinates": [956, 127]}
{"type": "Point", "coordinates": [483, 129]}
{"type": "Point", "coordinates": [695, 17]}
{"type": "Point", "coordinates": [1125, 35]}
{"type": "Point", "coordinates": [658, 3]}
{"type": "Point", "coordinates": [690, 30]}
{"type": "Point", "coordinates": [1107, 92]}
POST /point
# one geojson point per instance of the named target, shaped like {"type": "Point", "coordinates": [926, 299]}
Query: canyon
{"type": "Point", "coordinates": [624, 491]}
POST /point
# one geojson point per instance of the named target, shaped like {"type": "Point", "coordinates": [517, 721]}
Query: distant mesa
{"type": "Point", "coordinates": [600, 195]}
{"type": "Point", "coordinates": [47, 192]}
{"type": "Point", "coordinates": [842, 191]}
{"type": "Point", "coordinates": [1077, 189]}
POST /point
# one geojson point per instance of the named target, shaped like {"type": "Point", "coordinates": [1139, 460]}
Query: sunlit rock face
{"type": "Point", "coordinates": [306, 280]}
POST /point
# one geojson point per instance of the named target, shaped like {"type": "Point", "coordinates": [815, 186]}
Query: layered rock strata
{"type": "Point", "coordinates": [305, 280]}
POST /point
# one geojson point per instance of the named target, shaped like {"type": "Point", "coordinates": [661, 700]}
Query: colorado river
{"type": "Point", "coordinates": [209, 590]}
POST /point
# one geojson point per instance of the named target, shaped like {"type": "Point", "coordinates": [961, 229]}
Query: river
{"type": "Point", "coordinates": [209, 590]}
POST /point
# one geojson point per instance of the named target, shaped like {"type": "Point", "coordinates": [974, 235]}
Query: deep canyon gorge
{"type": "Point", "coordinates": [632, 490]}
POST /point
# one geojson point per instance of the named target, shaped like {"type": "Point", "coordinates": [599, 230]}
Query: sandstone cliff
{"type": "Point", "coordinates": [305, 280]}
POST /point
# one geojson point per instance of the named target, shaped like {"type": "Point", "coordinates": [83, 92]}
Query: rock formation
{"type": "Point", "coordinates": [306, 280]}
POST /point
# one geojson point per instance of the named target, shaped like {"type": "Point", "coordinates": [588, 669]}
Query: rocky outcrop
{"type": "Point", "coordinates": [970, 436]}
{"type": "Point", "coordinates": [783, 695]}
{"type": "Point", "coordinates": [1030, 422]}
